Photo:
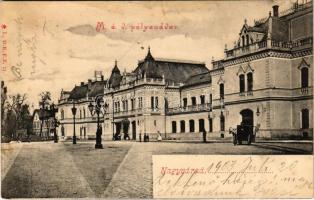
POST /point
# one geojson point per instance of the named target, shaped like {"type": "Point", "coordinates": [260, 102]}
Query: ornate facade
{"type": "Point", "coordinates": [264, 81]}
{"type": "Point", "coordinates": [80, 97]}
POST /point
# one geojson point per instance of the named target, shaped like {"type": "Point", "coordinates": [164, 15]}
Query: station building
{"type": "Point", "coordinates": [265, 81]}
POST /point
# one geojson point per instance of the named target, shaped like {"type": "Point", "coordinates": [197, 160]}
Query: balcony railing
{"type": "Point", "coordinates": [258, 46]}
{"type": "Point", "coordinates": [304, 90]}
{"type": "Point", "coordinates": [196, 108]}
{"type": "Point", "coordinates": [126, 112]}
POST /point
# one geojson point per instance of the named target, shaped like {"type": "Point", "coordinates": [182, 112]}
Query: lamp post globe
{"type": "Point", "coordinates": [74, 113]}
{"type": "Point", "coordinates": [96, 109]}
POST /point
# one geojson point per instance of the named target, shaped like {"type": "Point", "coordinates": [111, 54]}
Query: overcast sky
{"type": "Point", "coordinates": [56, 45]}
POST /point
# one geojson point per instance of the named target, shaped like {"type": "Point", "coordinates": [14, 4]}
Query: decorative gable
{"type": "Point", "coordinates": [303, 64]}
{"type": "Point", "coordinates": [221, 80]}
{"type": "Point", "coordinates": [249, 68]}
{"type": "Point", "coordinates": [240, 71]}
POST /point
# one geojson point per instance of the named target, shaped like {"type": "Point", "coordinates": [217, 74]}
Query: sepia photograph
{"type": "Point", "coordinates": [169, 99]}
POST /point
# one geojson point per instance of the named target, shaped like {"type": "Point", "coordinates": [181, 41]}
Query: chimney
{"type": "Point", "coordinates": [89, 83]}
{"type": "Point", "coordinates": [276, 10]}
{"type": "Point", "coordinates": [82, 83]}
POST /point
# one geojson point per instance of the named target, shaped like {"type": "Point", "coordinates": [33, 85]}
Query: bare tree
{"type": "Point", "coordinates": [45, 98]}
{"type": "Point", "coordinates": [17, 110]}
{"type": "Point", "coordinates": [3, 110]}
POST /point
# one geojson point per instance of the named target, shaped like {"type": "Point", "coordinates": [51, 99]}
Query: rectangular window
{"type": "Point", "coordinates": [222, 123]}
{"type": "Point", "coordinates": [140, 102]}
{"type": "Point", "coordinates": [152, 102]}
{"type": "Point", "coordinates": [174, 127]}
{"type": "Point", "coordinates": [193, 99]}
{"type": "Point", "coordinates": [156, 102]}
{"type": "Point", "coordinates": [249, 82]}
{"type": "Point", "coordinates": [192, 128]}
{"type": "Point", "coordinates": [304, 77]}
{"type": "Point", "coordinates": [202, 97]}
{"type": "Point", "coordinates": [132, 104]}
{"type": "Point", "coordinates": [182, 126]}
{"type": "Point", "coordinates": [222, 91]}
{"type": "Point", "coordinates": [242, 83]}
{"type": "Point", "coordinates": [185, 102]}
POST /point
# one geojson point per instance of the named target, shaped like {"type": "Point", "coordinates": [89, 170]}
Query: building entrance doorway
{"type": "Point", "coordinates": [126, 124]}
{"type": "Point", "coordinates": [247, 120]}
{"type": "Point", "coordinates": [134, 130]}
{"type": "Point", "coordinates": [201, 125]}
{"type": "Point", "coordinates": [117, 135]}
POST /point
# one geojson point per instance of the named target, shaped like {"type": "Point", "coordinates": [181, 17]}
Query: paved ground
{"type": "Point", "coordinates": [120, 170]}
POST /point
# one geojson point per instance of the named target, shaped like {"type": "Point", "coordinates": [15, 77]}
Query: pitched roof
{"type": "Point", "coordinates": [259, 29]}
{"type": "Point", "coordinates": [115, 76]}
{"type": "Point", "coordinates": [173, 70]}
{"type": "Point", "coordinates": [91, 90]}
{"type": "Point", "coordinates": [198, 79]}
{"type": "Point", "coordinates": [46, 113]}
{"type": "Point", "coordinates": [97, 88]}
{"type": "Point", "coordinates": [78, 92]}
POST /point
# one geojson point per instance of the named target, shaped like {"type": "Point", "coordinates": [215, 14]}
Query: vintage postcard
{"type": "Point", "coordinates": [170, 99]}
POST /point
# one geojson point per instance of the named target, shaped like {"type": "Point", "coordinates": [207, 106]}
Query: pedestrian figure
{"type": "Point", "coordinates": [159, 138]}
{"type": "Point", "coordinates": [204, 135]}
{"type": "Point", "coordinates": [140, 137]}
{"type": "Point", "coordinates": [145, 137]}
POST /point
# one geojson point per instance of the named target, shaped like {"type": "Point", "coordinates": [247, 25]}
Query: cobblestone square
{"type": "Point", "coordinates": [120, 170]}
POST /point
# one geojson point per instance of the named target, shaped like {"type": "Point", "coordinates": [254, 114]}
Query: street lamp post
{"type": "Point", "coordinates": [74, 113]}
{"type": "Point", "coordinates": [97, 109]}
{"type": "Point", "coordinates": [53, 111]}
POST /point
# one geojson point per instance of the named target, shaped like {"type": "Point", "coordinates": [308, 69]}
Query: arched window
{"type": "Point", "coordinates": [305, 118]}
{"type": "Point", "coordinates": [249, 81]}
{"type": "Point", "coordinates": [243, 41]}
{"type": "Point", "coordinates": [192, 127]}
{"type": "Point", "coordinates": [80, 114]}
{"type": "Point", "coordinates": [222, 90]}
{"type": "Point", "coordinates": [84, 114]}
{"type": "Point", "coordinates": [222, 122]}
{"type": "Point", "coordinates": [182, 126]}
{"type": "Point", "coordinates": [241, 83]}
{"type": "Point", "coordinates": [247, 40]}
{"type": "Point", "coordinates": [304, 77]}
{"type": "Point", "coordinates": [174, 126]}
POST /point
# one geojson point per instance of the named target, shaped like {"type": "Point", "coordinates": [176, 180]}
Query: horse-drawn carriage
{"type": "Point", "coordinates": [244, 133]}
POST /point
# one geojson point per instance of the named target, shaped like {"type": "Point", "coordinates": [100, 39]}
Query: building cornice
{"type": "Point", "coordinates": [267, 53]}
